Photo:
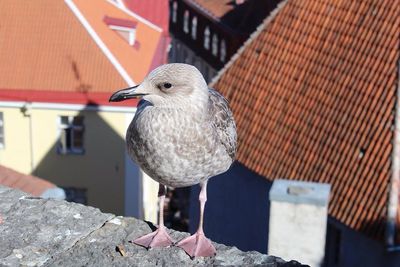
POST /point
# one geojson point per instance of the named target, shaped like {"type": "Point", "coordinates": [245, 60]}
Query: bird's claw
{"type": "Point", "coordinates": [158, 238]}
{"type": "Point", "coordinates": [197, 245]}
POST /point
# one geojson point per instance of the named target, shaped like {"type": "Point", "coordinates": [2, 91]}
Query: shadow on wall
{"type": "Point", "coordinates": [97, 169]}
{"type": "Point", "coordinates": [237, 209]}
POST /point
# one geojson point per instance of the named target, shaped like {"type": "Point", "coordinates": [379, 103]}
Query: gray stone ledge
{"type": "Point", "coordinates": [39, 232]}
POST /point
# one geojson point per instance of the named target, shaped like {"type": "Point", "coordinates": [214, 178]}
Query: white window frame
{"type": "Point", "coordinates": [214, 44]}
{"type": "Point", "coordinates": [206, 42]}
{"type": "Point", "coordinates": [222, 52]}
{"type": "Point", "coordinates": [2, 142]}
{"type": "Point", "coordinates": [194, 27]}
{"type": "Point", "coordinates": [174, 12]}
{"type": "Point", "coordinates": [64, 150]}
{"type": "Point", "coordinates": [131, 33]}
{"type": "Point", "coordinates": [186, 16]}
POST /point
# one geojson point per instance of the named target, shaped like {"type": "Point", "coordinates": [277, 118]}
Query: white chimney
{"type": "Point", "coordinates": [298, 220]}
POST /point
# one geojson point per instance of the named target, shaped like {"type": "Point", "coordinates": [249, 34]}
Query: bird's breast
{"type": "Point", "coordinates": [173, 148]}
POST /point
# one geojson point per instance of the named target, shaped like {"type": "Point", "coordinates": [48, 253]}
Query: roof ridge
{"type": "Point", "coordinates": [99, 42]}
{"type": "Point", "coordinates": [252, 37]}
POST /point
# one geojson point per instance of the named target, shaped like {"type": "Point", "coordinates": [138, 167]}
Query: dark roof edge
{"type": "Point", "coordinates": [393, 205]}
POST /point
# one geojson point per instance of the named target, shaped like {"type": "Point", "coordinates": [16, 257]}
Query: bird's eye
{"type": "Point", "coordinates": [167, 85]}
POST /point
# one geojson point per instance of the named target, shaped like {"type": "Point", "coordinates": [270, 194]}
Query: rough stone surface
{"type": "Point", "coordinates": [38, 232]}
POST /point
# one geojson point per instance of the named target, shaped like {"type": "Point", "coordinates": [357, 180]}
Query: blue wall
{"type": "Point", "coordinates": [237, 210]}
{"type": "Point", "coordinates": [237, 214]}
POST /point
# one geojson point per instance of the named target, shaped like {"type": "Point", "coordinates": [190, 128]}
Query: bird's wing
{"type": "Point", "coordinates": [223, 121]}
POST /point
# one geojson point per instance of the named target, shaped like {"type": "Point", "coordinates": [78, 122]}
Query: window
{"type": "Point", "coordinates": [77, 195]}
{"type": "Point", "coordinates": [71, 135]}
{"type": "Point", "coordinates": [186, 22]}
{"type": "Point", "coordinates": [222, 53]}
{"type": "Point", "coordinates": [214, 44]}
{"type": "Point", "coordinates": [174, 11]}
{"type": "Point", "coordinates": [194, 28]}
{"type": "Point", "coordinates": [124, 28]}
{"type": "Point", "coordinates": [207, 38]}
{"type": "Point", "coordinates": [1, 130]}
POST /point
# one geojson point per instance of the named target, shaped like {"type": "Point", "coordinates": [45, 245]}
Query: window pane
{"type": "Point", "coordinates": [186, 21]}
{"type": "Point", "coordinates": [71, 134]}
{"type": "Point", "coordinates": [207, 38]}
{"type": "Point", "coordinates": [174, 11]}
{"type": "Point", "coordinates": [78, 121]}
{"type": "Point", "coordinates": [64, 120]}
{"type": "Point", "coordinates": [62, 143]}
{"type": "Point", "coordinates": [78, 138]}
{"type": "Point", "coordinates": [194, 28]}
{"type": "Point", "coordinates": [214, 44]}
{"type": "Point", "coordinates": [223, 51]}
{"type": "Point", "coordinates": [68, 138]}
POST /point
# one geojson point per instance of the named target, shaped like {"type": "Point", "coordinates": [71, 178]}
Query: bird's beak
{"type": "Point", "coordinates": [124, 94]}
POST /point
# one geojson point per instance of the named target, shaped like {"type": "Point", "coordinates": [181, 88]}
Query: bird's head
{"type": "Point", "coordinates": [168, 85]}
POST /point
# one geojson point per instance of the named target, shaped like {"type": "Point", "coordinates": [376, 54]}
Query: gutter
{"type": "Point", "coordinates": [61, 106]}
{"type": "Point", "coordinates": [26, 111]}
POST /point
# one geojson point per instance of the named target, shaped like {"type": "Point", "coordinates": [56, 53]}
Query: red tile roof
{"type": "Point", "coordinates": [48, 96]}
{"type": "Point", "coordinates": [313, 93]}
{"type": "Point", "coordinates": [47, 47]}
{"type": "Point", "coordinates": [27, 183]}
{"type": "Point", "coordinates": [156, 11]}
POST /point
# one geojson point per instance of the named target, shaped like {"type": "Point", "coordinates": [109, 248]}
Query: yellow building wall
{"type": "Point", "coordinates": [100, 169]}
{"type": "Point", "coordinates": [16, 151]}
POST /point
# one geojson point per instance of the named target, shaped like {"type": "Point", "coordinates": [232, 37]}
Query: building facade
{"type": "Point", "coordinates": [207, 33]}
{"type": "Point", "coordinates": [55, 118]}
{"type": "Point", "coordinates": [315, 97]}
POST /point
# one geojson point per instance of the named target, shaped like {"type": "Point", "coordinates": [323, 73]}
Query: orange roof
{"type": "Point", "coordinates": [215, 8]}
{"type": "Point", "coordinates": [27, 183]}
{"type": "Point", "coordinates": [156, 11]}
{"type": "Point", "coordinates": [47, 45]}
{"type": "Point", "coordinates": [137, 61]}
{"type": "Point", "coordinates": [313, 92]}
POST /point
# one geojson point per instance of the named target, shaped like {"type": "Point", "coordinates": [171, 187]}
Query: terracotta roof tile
{"type": "Point", "coordinates": [136, 62]}
{"type": "Point", "coordinates": [313, 94]}
{"type": "Point", "coordinates": [156, 11]}
{"type": "Point", "coordinates": [58, 55]}
{"type": "Point", "coordinates": [27, 183]}
{"type": "Point", "coordinates": [44, 46]}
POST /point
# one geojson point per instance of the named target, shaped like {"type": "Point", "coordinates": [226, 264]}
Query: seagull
{"type": "Point", "coordinates": [182, 134]}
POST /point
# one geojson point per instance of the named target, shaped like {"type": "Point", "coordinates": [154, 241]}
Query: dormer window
{"type": "Point", "coordinates": [124, 28]}
{"type": "Point", "coordinates": [214, 50]}
{"type": "Point", "coordinates": [207, 38]}
{"type": "Point", "coordinates": [174, 12]}
{"type": "Point", "coordinates": [194, 28]}
{"type": "Point", "coordinates": [186, 21]}
{"type": "Point", "coordinates": [222, 52]}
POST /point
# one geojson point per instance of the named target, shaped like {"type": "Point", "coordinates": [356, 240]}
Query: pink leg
{"type": "Point", "coordinates": [160, 237]}
{"type": "Point", "coordinates": [198, 245]}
